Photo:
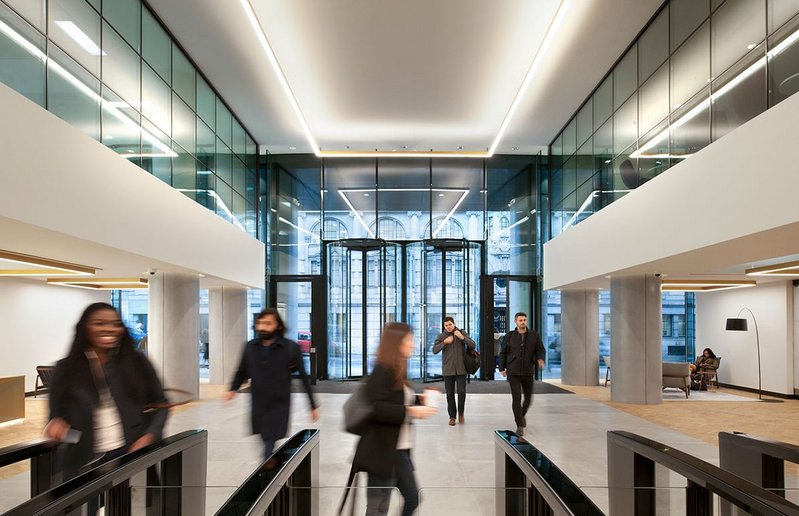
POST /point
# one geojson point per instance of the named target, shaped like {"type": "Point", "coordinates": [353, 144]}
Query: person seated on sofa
{"type": "Point", "coordinates": [707, 361]}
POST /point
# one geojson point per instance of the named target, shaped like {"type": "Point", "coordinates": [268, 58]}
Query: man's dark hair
{"type": "Point", "coordinates": [449, 319]}
{"type": "Point", "coordinates": [272, 312]}
{"type": "Point", "coordinates": [519, 314]}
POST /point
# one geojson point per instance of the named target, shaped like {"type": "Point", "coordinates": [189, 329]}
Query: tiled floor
{"type": "Point", "coordinates": [454, 465]}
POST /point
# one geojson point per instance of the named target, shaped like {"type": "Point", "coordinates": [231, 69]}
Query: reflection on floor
{"type": "Point", "coordinates": [455, 465]}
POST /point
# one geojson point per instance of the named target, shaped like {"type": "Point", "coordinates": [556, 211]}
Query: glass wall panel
{"type": "Point", "coordinates": [404, 196]}
{"type": "Point", "coordinates": [556, 153]}
{"type": "Point", "coordinates": [206, 188]}
{"type": "Point", "coordinates": [183, 124]}
{"type": "Point", "coordinates": [75, 27]}
{"type": "Point", "coordinates": [738, 27]}
{"type": "Point", "coordinates": [183, 76]}
{"type": "Point", "coordinates": [251, 188]}
{"type": "Point", "coordinates": [654, 152]}
{"type": "Point", "coordinates": [251, 150]}
{"type": "Point", "coordinates": [184, 173]}
{"type": "Point", "coordinates": [625, 77]}
{"type": "Point", "coordinates": [224, 165]}
{"type": "Point", "coordinates": [690, 67]}
{"type": "Point", "coordinates": [686, 16]}
{"type": "Point", "coordinates": [690, 130]}
{"type": "Point", "coordinates": [653, 47]}
{"type": "Point", "coordinates": [224, 200]}
{"type": "Point", "coordinates": [239, 144]}
{"type": "Point", "coordinates": [625, 175]}
{"type": "Point", "coordinates": [154, 159]}
{"type": "Point", "coordinates": [206, 102]}
{"type": "Point", "coordinates": [121, 127]}
{"type": "Point", "coordinates": [156, 100]}
{"type": "Point", "coordinates": [654, 100]}
{"type": "Point", "coordinates": [603, 141]}
{"type": "Point", "coordinates": [603, 101]}
{"type": "Point", "coordinates": [569, 175]}
{"type": "Point", "coordinates": [458, 199]}
{"type": "Point", "coordinates": [782, 66]}
{"type": "Point", "coordinates": [570, 139]}
{"type": "Point", "coordinates": [206, 146]}
{"type": "Point", "coordinates": [585, 125]}
{"type": "Point", "coordinates": [125, 16]}
{"type": "Point", "coordinates": [625, 125]}
{"type": "Point", "coordinates": [224, 127]}
{"type": "Point", "coordinates": [31, 10]}
{"type": "Point", "coordinates": [779, 12]}
{"type": "Point", "coordinates": [120, 67]}
{"type": "Point", "coordinates": [556, 189]}
{"type": "Point", "coordinates": [297, 198]}
{"type": "Point", "coordinates": [746, 99]}
{"type": "Point", "coordinates": [156, 46]}
{"type": "Point", "coordinates": [239, 178]}
{"type": "Point", "coordinates": [22, 69]}
{"type": "Point", "coordinates": [350, 196]}
{"type": "Point", "coordinates": [511, 214]}
{"type": "Point", "coordinates": [75, 105]}
{"type": "Point", "coordinates": [584, 163]}
{"type": "Point", "coordinates": [251, 222]}
{"type": "Point", "coordinates": [239, 209]}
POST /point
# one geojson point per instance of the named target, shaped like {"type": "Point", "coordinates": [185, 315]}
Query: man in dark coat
{"type": "Point", "coordinates": [453, 343]}
{"type": "Point", "coordinates": [517, 361]}
{"type": "Point", "coordinates": [268, 361]}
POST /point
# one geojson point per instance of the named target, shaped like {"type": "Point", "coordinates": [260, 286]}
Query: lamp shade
{"type": "Point", "coordinates": [735, 324]}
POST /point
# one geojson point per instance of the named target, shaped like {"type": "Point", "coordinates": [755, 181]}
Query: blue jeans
{"type": "Point", "coordinates": [378, 500]}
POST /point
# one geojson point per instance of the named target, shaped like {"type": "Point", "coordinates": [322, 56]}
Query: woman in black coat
{"type": "Point", "coordinates": [384, 450]}
{"type": "Point", "coordinates": [100, 391]}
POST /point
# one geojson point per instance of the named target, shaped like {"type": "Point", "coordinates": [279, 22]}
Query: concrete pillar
{"type": "Point", "coordinates": [636, 334]}
{"type": "Point", "coordinates": [579, 321]}
{"type": "Point", "coordinates": [227, 331]}
{"type": "Point", "coordinates": [174, 324]}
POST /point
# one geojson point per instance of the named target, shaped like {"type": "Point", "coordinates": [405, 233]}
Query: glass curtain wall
{"type": "Point", "coordinates": [111, 70]}
{"type": "Point", "coordinates": [700, 69]}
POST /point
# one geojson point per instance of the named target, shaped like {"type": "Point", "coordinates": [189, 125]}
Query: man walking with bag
{"type": "Point", "coordinates": [453, 341]}
{"type": "Point", "coordinates": [517, 361]}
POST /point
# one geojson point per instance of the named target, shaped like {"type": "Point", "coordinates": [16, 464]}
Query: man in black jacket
{"type": "Point", "coordinates": [517, 361]}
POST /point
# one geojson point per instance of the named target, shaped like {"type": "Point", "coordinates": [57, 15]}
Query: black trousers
{"type": "Point", "coordinates": [518, 385]}
{"type": "Point", "coordinates": [378, 496]}
{"type": "Point", "coordinates": [449, 385]}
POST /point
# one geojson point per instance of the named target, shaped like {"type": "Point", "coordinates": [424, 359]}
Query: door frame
{"type": "Point", "coordinates": [318, 355]}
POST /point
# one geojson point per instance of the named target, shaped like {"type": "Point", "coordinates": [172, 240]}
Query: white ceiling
{"type": "Point", "coordinates": [414, 74]}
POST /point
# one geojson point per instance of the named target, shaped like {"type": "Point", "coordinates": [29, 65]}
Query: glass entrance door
{"type": "Point", "coordinates": [443, 280]}
{"type": "Point", "coordinates": [505, 296]}
{"type": "Point", "coordinates": [363, 295]}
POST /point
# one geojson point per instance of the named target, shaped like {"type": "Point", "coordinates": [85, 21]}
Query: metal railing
{"type": "Point", "coordinates": [519, 464]}
{"type": "Point", "coordinates": [177, 460]}
{"type": "Point", "coordinates": [272, 488]}
{"type": "Point", "coordinates": [41, 453]}
{"type": "Point", "coordinates": [631, 480]}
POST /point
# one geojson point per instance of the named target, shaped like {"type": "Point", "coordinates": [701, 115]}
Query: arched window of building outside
{"type": "Point", "coordinates": [389, 228]}
{"type": "Point", "coordinates": [334, 229]}
{"type": "Point", "coordinates": [450, 229]}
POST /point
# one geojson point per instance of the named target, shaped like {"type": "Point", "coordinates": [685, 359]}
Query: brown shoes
{"type": "Point", "coordinates": [461, 420]}
{"type": "Point", "coordinates": [452, 421]}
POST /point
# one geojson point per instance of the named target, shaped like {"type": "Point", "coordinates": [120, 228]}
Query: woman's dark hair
{"type": "Point", "coordinates": [709, 352]}
{"type": "Point", "coordinates": [389, 355]}
{"type": "Point", "coordinates": [81, 341]}
{"type": "Point", "coordinates": [272, 312]}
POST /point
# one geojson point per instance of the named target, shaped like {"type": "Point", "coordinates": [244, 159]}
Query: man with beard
{"type": "Point", "coordinates": [517, 361]}
{"type": "Point", "coordinates": [269, 360]}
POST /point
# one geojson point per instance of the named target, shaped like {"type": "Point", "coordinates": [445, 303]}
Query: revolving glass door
{"type": "Point", "coordinates": [363, 295]}
{"type": "Point", "coordinates": [443, 280]}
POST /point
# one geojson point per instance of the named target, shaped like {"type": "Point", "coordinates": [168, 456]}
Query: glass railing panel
{"type": "Point", "coordinates": [326, 501]}
{"type": "Point", "coordinates": [664, 500]}
{"type": "Point", "coordinates": [15, 485]}
{"type": "Point", "coordinates": [197, 500]}
{"type": "Point", "coordinates": [465, 501]}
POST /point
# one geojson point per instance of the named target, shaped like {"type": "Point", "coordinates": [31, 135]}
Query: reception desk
{"type": "Point", "coordinates": [12, 398]}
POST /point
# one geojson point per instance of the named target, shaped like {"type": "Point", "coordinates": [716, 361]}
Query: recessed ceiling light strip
{"type": "Point", "coordinates": [778, 269]}
{"type": "Point", "coordinates": [45, 266]}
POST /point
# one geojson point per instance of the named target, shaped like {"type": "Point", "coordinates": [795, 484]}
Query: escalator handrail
{"type": "Point", "coordinates": [25, 450]}
{"type": "Point", "coordinates": [725, 484]}
{"type": "Point", "coordinates": [777, 449]}
{"type": "Point", "coordinates": [102, 478]}
{"type": "Point", "coordinates": [547, 491]}
{"type": "Point", "coordinates": [282, 475]}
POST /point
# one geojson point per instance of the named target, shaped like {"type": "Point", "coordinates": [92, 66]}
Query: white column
{"type": "Point", "coordinates": [636, 334]}
{"type": "Point", "coordinates": [227, 330]}
{"type": "Point", "coordinates": [579, 337]}
{"type": "Point", "coordinates": [174, 324]}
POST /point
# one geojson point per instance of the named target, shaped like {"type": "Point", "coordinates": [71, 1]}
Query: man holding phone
{"type": "Point", "coordinates": [517, 361]}
{"type": "Point", "coordinates": [453, 342]}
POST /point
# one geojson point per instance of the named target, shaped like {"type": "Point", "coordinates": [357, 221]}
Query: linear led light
{"type": "Point", "coordinates": [703, 285]}
{"type": "Point", "coordinates": [356, 214]}
{"type": "Point", "coordinates": [112, 107]}
{"type": "Point", "coordinates": [507, 229]}
{"type": "Point", "coordinates": [80, 37]}
{"type": "Point", "coordinates": [101, 283]}
{"type": "Point", "coordinates": [38, 266]}
{"type": "Point", "coordinates": [586, 203]}
{"type": "Point", "coordinates": [560, 15]}
{"type": "Point", "coordinates": [735, 81]}
{"type": "Point", "coordinates": [220, 203]}
{"type": "Point", "coordinates": [449, 215]}
{"type": "Point", "coordinates": [778, 269]}
{"type": "Point", "coordinates": [298, 228]}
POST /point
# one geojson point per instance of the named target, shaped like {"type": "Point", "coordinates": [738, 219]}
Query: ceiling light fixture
{"type": "Point", "coordinates": [80, 37]}
{"type": "Point", "coordinates": [546, 42]}
{"type": "Point", "coordinates": [778, 269]}
{"type": "Point", "coordinates": [674, 285]}
{"type": "Point", "coordinates": [101, 283]}
{"type": "Point", "coordinates": [39, 266]}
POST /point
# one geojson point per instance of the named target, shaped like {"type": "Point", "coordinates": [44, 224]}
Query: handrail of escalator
{"type": "Point", "coordinates": [25, 450]}
{"type": "Point", "coordinates": [116, 473]}
{"type": "Point", "coordinates": [293, 465]}
{"type": "Point", "coordinates": [555, 488]}
{"type": "Point", "coordinates": [631, 479]}
{"type": "Point", "coordinates": [757, 459]}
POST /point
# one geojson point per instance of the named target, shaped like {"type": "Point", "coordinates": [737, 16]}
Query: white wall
{"type": "Point", "coordinates": [37, 323]}
{"type": "Point", "coordinates": [796, 339]}
{"type": "Point", "coordinates": [773, 306]}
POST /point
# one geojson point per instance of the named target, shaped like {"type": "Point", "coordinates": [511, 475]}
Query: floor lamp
{"type": "Point", "coordinates": [739, 324]}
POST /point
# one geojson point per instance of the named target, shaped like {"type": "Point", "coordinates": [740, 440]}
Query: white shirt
{"type": "Point", "coordinates": [405, 438]}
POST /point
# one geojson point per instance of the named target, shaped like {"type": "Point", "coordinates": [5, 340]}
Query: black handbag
{"type": "Point", "coordinates": [471, 359]}
{"type": "Point", "coordinates": [357, 411]}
